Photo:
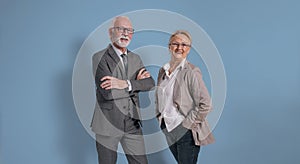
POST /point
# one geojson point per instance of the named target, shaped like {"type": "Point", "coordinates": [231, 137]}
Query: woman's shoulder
{"type": "Point", "coordinates": [191, 67]}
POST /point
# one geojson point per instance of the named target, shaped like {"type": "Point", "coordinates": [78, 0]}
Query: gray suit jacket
{"type": "Point", "coordinates": [192, 100]}
{"type": "Point", "coordinates": [112, 105]}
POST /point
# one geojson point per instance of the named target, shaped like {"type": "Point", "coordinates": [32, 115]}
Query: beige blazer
{"type": "Point", "coordinates": [192, 100]}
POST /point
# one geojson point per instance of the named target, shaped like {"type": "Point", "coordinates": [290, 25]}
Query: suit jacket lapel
{"type": "Point", "coordinates": [116, 59]}
{"type": "Point", "coordinates": [179, 81]}
{"type": "Point", "coordinates": [130, 70]}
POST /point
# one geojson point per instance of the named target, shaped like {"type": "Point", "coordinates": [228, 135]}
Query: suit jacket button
{"type": "Point", "coordinates": [124, 107]}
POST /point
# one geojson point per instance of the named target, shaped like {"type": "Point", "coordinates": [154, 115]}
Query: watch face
{"type": "Point", "coordinates": [129, 85]}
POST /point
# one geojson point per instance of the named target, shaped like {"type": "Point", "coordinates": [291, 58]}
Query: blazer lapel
{"type": "Point", "coordinates": [131, 65]}
{"type": "Point", "coordinates": [116, 59]}
{"type": "Point", "coordinates": [179, 81]}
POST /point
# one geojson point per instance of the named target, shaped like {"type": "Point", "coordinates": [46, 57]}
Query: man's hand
{"type": "Point", "coordinates": [143, 74]}
{"type": "Point", "coordinates": [109, 82]}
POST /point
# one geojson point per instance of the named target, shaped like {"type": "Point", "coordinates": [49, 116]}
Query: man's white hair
{"type": "Point", "coordinates": [116, 18]}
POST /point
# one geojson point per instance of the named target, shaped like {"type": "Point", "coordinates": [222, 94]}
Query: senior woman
{"type": "Point", "coordinates": [183, 102]}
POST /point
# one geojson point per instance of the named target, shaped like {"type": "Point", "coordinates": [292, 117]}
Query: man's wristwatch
{"type": "Point", "coordinates": [129, 88]}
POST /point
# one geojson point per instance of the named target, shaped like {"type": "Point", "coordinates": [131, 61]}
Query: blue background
{"type": "Point", "coordinates": [259, 42]}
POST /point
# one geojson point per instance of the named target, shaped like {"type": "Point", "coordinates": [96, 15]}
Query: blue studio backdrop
{"type": "Point", "coordinates": [258, 42]}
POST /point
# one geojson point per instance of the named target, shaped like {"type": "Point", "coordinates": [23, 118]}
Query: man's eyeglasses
{"type": "Point", "coordinates": [178, 44]}
{"type": "Point", "coordinates": [123, 29]}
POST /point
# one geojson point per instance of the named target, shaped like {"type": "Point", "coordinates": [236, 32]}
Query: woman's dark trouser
{"type": "Point", "coordinates": [181, 144]}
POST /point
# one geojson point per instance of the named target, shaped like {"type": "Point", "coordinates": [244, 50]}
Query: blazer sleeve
{"type": "Point", "coordinates": [201, 98]}
{"type": "Point", "coordinates": [103, 68]}
{"type": "Point", "coordinates": [159, 79]}
{"type": "Point", "coordinates": [143, 84]}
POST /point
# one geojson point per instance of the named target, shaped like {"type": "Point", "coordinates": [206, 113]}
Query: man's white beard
{"type": "Point", "coordinates": [122, 44]}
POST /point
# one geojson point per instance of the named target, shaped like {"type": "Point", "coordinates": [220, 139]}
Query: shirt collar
{"type": "Point", "coordinates": [119, 52]}
{"type": "Point", "coordinates": [166, 67]}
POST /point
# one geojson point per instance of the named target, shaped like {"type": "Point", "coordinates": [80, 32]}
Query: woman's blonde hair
{"type": "Point", "coordinates": [183, 32]}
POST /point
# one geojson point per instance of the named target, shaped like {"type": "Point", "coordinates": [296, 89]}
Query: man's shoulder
{"type": "Point", "coordinates": [100, 53]}
{"type": "Point", "coordinates": [133, 55]}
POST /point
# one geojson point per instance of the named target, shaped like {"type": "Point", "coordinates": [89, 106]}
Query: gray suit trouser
{"type": "Point", "coordinates": [132, 142]}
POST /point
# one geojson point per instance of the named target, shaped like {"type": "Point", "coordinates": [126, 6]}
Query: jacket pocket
{"type": "Point", "coordinates": [107, 106]}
